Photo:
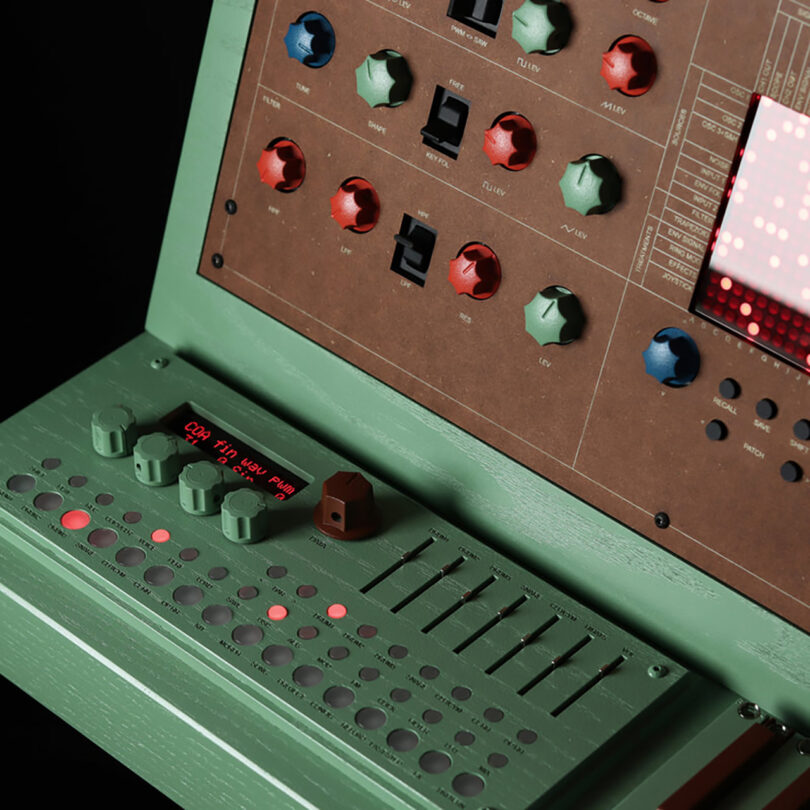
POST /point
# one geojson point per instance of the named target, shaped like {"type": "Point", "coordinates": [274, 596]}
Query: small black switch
{"type": "Point", "coordinates": [482, 15]}
{"type": "Point", "coordinates": [445, 126]}
{"type": "Point", "coordinates": [716, 430]}
{"type": "Point", "coordinates": [414, 249]}
{"type": "Point", "coordinates": [766, 409]}
{"type": "Point", "coordinates": [729, 388]}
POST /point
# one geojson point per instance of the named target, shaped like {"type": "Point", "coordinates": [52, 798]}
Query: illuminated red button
{"type": "Point", "coordinates": [75, 519]}
{"type": "Point", "coordinates": [161, 536]}
{"type": "Point", "coordinates": [336, 611]}
{"type": "Point", "coordinates": [282, 165]}
{"type": "Point", "coordinates": [355, 205]}
{"type": "Point", "coordinates": [277, 613]}
{"type": "Point", "coordinates": [629, 66]}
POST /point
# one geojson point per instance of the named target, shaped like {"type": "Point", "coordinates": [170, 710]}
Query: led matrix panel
{"type": "Point", "coordinates": [755, 279]}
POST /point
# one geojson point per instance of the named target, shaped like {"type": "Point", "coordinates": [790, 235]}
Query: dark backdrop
{"type": "Point", "coordinates": [97, 97]}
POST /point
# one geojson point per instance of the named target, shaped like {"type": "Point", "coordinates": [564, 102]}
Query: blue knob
{"type": "Point", "coordinates": [311, 40]}
{"type": "Point", "coordinates": [672, 357]}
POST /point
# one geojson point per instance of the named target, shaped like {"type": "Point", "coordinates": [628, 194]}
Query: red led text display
{"type": "Point", "coordinates": [755, 279]}
{"type": "Point", "coordinates": [234, 454]}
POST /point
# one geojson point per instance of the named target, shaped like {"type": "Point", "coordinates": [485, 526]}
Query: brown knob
{"type": "Point", "coordinates": [347, 510]}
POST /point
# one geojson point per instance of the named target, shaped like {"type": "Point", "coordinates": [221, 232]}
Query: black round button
{"type": "Point", "coordinates": [48, 501]}
{"type": "Point", "coordinates": [189, 554]}
{"type": "Point", "coordinates": [187, 595]}
{"type": "Point", "coordinates": [397, 651]}
{"type": "Point", "coordinates": [400, 695]}
{"type": "Point", "coordinates": [102, 538]}
{"type": "Point", "coordinates": [77, 480]}
{"type": "Point", "coordinates": [338, 697]}
{"type": "Point", "coordinates": [247, 592]}
{"type": "Point", "coordinates": [801, 430]}
{"type": "Point", "coordinates": [429, 672]}
{"type": "Point", "coordinates": [716, 430]}
{"type": "Point", "coordinates": [493, 715]}
{"type": "Point", "coordinates": [729, 388]}
{"type": "Point", "coordinates": [51, 463]}
{"type": "Point", "coordinates": [468, 784]}
{"type": "Point", "coordinates": [461, 693]}
{"type": "Point", "coordinates": [369, 674]}
{"type": "Point", "coordinates": [366, 631]}
{"type": "Point", "coordinates": [277, 656]}
{"type": "Point", "coordinates": [306, 591]}
{"type": "Point", "coordinates": [308, 632]}
{"type": "Point", "coordinates": [403, 740]}
{"type": "Point", "coordinates": [308, 675]}
{"type": "Point", "coordinates": [218, 572]}
{"type": "Point", "coordinates": [130, 556]}
{"type": "Point", "coordinates": [497, 760]}
{"type": "Point", "coordinates": [370, 718]}
{"type": "Point", "coordinates": [247, 634]}
{"type": "Point", "coordinates": [158, 574]}
{"type": "Point", "coordinates": [432, 716]}
{"type": "Point", "coordinates": [21, 483]}
{"type": "Point", "coordinates": [434, 762]}
{"type": "Point", "coordinates": [338, 653]}
{"type": "Point", "coordinates": [276, 571]}
{"type": "Point", "coordinates": [465, 738]}
{"type": "Point", "coordinates": [217, 615]}
{"type": "Point", "coordinates": [132, 517]}
{"type": "Point", "coordinates": [527, 736]}
{"type": "Point", "coordinates": [791, 472]}
{"type": "Point", "coordinates": [766, 409]}
{"type": "Point", "coordinates": [104, 499]}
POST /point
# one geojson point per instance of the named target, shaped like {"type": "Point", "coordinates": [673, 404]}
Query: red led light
{"type": "Point", "coordinates": [277, 613]}
{"type": "Point", "coordinates": [336, 611]}
{"type": "Point", "coordinates": [161, 536]}
{"type": "Point", "coordinates": [726, 283]}
{"type": "Point", "coordinates": [753, 329]}
{"type": "Point", "coordinates": [75, 519]}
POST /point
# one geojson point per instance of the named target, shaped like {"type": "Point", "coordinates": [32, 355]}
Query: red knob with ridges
{"type": "Point", "coordinates": [630, 66]}
{"type": "Point", "coordinates": [356, 206]}
{"type": "Point", "coordinates": [282, 165]}
{"type": "Point", "coordinates": [476, 271]}
{"type": "Point", "coordinates": [511, 142]}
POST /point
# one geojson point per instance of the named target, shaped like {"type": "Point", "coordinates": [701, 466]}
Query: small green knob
{"type": "Point", "coordinates": [542, 26]}
{"type": "Point", "coordinates": [554, 316]}
{"type": "Point", "coordinates": [384, 79]}
{"type": "Point", "coordinates": [591, 185]}
{"type": "Point", "coordinates": [245, 518]}
{"type": "Point", "coordinates": [113, 431]}
{"type": "Point", "coordinates": [201, 488]}
{"type": "Point", "coordinates": [157, 462]}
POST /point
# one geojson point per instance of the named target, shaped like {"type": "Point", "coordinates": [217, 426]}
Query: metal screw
{"type": "Point", "coordinates": [230, 206]}
{"type": "Point", "coordinates": [661, 520]}
{"type": "Point", "coordinates": [159, 362]}
{"type": "Point", "coordinates": [803, 747]}
{"type": "Point", "coordinates": [657, 671]}
{"type": "Point", "coordinates": [217, 260]}
{"type": "Point", "coordinates": [749, 711]}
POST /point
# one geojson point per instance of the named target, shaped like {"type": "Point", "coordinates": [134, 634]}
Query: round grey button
{"type": "Point", "coordinates": [102, 538]}
{"type": "Point", "coordinates": [218, 572]}
{"type": "Point", "coordinates": [468, 784]}
{"type": "Point", "coordinates": [400, 695]}
{"type": "Point", "coordinates": [369, 674]}
{"type": "Point", "coordinates": [465, 738]}
{"type": "Point", "coordinates": [21, 483]}
{"type": "Point", "coordinates": [247, 592]}
{"type": "Point", "coordinates": [366, 631]}
{"type": "Point", "coordinates": [187, 595]}
{"type": "Point", "coordinates": [104, 499]}
{"type": "Point", "coordinates": [247, 634]}
{"type": "Point", "coordinates": [77, 480]}
{"type": "Point", "coordinates": [402, 740]}
{"type": "Point", "coordinates": [461, 693]}
{"type": "Point", "coordinates": [429, 672]}
{"type": "Point", "coordinates": [308, 632]}
{"type": "Point", "coordinates": [159, 575]}
{"type": "Point", "coordinates": [338, 653]}
{"type": "Point", "coordinates": [189, 554]}
{"type": "Point", "coordinates": [47, 501]}
{"type": "Point", "coordinates": [276, 571]}
{"type": "Point", "coordinates": [370, 718]}
{"type": "Point", "coordinates": [434, 762]}
{"type": "Point", "coordinates": [432, 716]}
{"type": "Point", "coordinates": [132, 517]}
{"type": "Point", "coordinates": [217, 615]}
{"type": "Point", "coordinates": [338, 697]}
{"type": "Point", "coordinates": [526, 736]}
{"type": "Point", "coordinates": [493, 715]}
{"type": "Point", "coordinates": [306, 591]}
{"type": "Point", "coordinates": [51, 463]}
{"type": "Point", "coordinates": [277, 656]}
{"type": "Point", "coordinates": [497, 760]}
{"type": "Point", "coordinates": [130, 556]}
{"type": "Point", "coordinates": [307, 675]}
{"type": "Point", "coordinates": [397, 651]}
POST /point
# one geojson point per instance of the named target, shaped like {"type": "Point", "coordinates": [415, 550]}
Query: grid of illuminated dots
{"type": "Point", "coordinates": [759, 273]}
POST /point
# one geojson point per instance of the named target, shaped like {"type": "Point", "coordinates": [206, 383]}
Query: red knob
{"type": "Point", "coordinates": [629, 66]}
{"type": "Point", "coordinates": [476, 271]}
{"type": "Point", "coordinates": [356, 205]}
{"type": "Point", "coordinates": [510, 142]}
{"type": "Point", "coordinates": [282, 165]}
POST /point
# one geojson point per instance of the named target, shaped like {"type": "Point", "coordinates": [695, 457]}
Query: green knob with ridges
{"type": "Point", "coordinates": [591, 185]}
{"type": "Point", "coordinates": [384, 79]}
{"type": "Point", "coordinates": [112, 430]}
{"type": "Point", "coordinates": [245, 518]}
{"type": "Point", "coordinates": [157, 461]}
{"type": "Point", "coordinates": [554, 316]}
{"type": "Point", "coordinates": [542, 26]}
{"type": "Point", "coordinates": [201, 486]}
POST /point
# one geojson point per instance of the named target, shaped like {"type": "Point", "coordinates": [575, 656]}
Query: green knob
{"type": "Point", "coordinates": [157, 462]}
{"type": "Point", "coordinates": [384, 79]}
{"type": "Point", "coordinates": [591, 185]}
{"type": "Point", "coordinates": [245, 518]}
{"type": "Point", "coordinates": [554, 316]}
{"type": "Point", "coordinates": [542, 26]}
{"type": "Point", "coordinates": [113, 431]}
{"type": "Point", "coordinates": [201, 488]}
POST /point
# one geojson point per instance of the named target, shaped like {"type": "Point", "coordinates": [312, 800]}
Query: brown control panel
{"type": "Point", "coordinates": [502, 209]}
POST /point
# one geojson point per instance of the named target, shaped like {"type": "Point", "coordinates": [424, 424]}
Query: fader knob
{"type": "Point", "coordinates": [112, 430]}
{"type": "Point", "coordinates": [554, 316]}
{"type": "Point", "coordinates": [282, 165]}
{"type": "Point", "coordinates": [245, 518]}
{"type": "Point", "coordinates": [476, 271]}
{"type": "Point", "coordinates": [629, 66]}
{"type": "Point", "coordinates": [384, 79]}
{"type": "Point", "coordinates": [310, 40]}
{"type": "Point", "coordinates": [201, 488]}
{"type": "Point", "coordinates": [591, 185]}
{"type": "Point", "coordinates": [157, 461]}
{"type": "Point", "coordinates": [347, 510]}
{"type": "Point", "coordinates": [542, 26]}
{"type": "Point", "coordinates": [672, 357]}
{"type": "Point", "coordinates": [355, 205]}
{"type": "Point", "coordinates": [511, 142]}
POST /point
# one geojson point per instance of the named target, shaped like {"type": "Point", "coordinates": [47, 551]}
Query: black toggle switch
{"type": "Point", "coordinates": [414, 250]}
{"type": "Point", "coordinates": [482, 15]}
{"type": "Point", "coordinates": [445, 126]}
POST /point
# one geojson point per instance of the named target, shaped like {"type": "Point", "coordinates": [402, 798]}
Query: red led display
{"type": "Point", "coordinates": [755, 279]}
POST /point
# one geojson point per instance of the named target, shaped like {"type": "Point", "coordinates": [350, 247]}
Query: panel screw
{"type": "Point", "coordinates": [230, 206]}
{"type": "Point", "coordinates": [657, 671]}
{"type": "Point", "coordinates": [159, 362]}
{"type": "Point", "coordinates": [803, 747]}
{"type": "Point", "coordinates": [661, 520]}
{"type": "Point", "coordinates": [217, 260]}
{"type": "Point", "coordinates": [749, 711]}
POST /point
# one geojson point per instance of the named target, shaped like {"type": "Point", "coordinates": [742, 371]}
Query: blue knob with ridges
{"type": "Point", "coordinates": [311, 40]}
{"type": "Point", "coordinates": [672, 357]}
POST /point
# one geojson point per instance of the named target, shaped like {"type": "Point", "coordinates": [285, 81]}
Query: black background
{"type": "Point", "coordinates": [97, 97]}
